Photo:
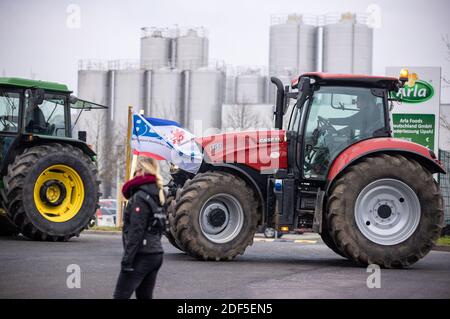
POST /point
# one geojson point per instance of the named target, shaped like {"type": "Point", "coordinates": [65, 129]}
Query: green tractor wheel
{"type": "Point", "coordinates": [52, 192]}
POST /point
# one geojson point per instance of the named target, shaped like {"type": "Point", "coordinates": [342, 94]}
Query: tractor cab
{"type": "Point", "coordinates": [333, 112]}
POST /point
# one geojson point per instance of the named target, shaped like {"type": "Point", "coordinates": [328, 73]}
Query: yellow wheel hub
{"type": "Point", "coordinates": [59, 193]}
{"type": "Point", "coordinates": [53, 193]}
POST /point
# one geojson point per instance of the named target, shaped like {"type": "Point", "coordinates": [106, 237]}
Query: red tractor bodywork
{"type": "Point", "coordinates": [259, 150]}
{"type": "Point", "coordinates": [267, 150]}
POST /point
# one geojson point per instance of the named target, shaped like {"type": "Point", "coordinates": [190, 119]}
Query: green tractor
{"type": "Point", "coordinates": [48, 186]}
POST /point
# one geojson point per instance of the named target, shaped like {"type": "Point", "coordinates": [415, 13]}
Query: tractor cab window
{"type": "Point", "coordinates": [9, 111]}
{"type": "Point", "coordinates": [339, 117]}
{"type": "Point", "coordinates": [47, 118]}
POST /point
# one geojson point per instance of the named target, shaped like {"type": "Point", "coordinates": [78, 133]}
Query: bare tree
{"type": "Point", "coordinates": [444, 122]}
{"type": "Point", "coordinates": [242, 117]}
{"type": "Point", "coordinates": [446, 40]}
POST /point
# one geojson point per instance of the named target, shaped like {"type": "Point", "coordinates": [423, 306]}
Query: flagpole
{"type": "Point", "coordinates": [127, 165]}
{"type": "Point", "coordinates": [128, 144]}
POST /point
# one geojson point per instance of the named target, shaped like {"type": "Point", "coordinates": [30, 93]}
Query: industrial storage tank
{"type": "Point", "coordinates": [165, 94]}
{"type": "Point", "coordinates": [230, 89]}
{"type": "Point", "coordinates": [347, 45]}
{"type": "Point", "coordinates": [94, 84]}
{"type": "Point", "coordinates": [155, 48]}
{"type": "Point", "coordinates": [250, 87]}
{"type": "Point", "coordinates": [128, 89]}
{"type": "Point", "coordinates": [191, 49]}
{"type": "Point", "coordinates": [203, 110]}
{"type": "Point", "coordinates": [362, 49]}
{"type": "Point", "coordinates": [293, 45]}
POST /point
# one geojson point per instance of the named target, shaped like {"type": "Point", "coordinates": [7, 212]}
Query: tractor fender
{"type": "Point", "coordinates": [383, 145]}
{"type": "Point", "coordinates": [43, 139]}
{"type": "Point", "coordinates": [23, 141]}
{"type": "Point", "coordinates": [255, 179]}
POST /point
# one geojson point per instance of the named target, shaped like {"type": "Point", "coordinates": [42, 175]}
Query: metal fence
{"type": "Point", "coordinates": [444, 182]}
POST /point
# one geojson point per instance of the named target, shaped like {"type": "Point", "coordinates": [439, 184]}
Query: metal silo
{"type": "Point", "coordinates": [250, 87]}
{"type": "Point", "coordinates": [155, 48]}
{"type": "Point", "coordinates": [307, 48]}
{"type": "Point", "coordinates": [165, 94]}
{"type": "Point", "coordinates": [192, 49]}
{"type": "Point", "coordinates": [292, 45]}
{"type": "Point", "coordinates": [128, 89]}
{"type": "Point", "coordinates": [362, 49]}
{"type": "Point", "coordinates": [93, 85]}
{"type": "Point", "coordinates": [204, 102]}
{"type": "Point", "coordinates": [230, 89]}
{"type": "Point", "coordinates": [347, 46]}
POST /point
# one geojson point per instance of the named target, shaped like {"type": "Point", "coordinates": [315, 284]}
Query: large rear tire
{"type": "Point", "coordinates": [385, 210]}
{"type": "Point", "coordinates": [52, 192]}
{"type": "Point", "coordinates": [215, 216]}
{"type": "Point", "coordinates": [328, 240]}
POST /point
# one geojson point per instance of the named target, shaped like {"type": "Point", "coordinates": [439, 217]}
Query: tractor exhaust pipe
{"type": "Point", "coordinates": [279, 107]}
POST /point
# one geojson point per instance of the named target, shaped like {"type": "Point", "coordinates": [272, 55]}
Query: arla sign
{"type": "Point", "coordinates": [420, 92]}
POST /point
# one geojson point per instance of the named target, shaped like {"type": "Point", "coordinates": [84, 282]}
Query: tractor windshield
{"type": "Point", "coordinates": [47, 118]}
{"type": "Point", "coordinates": [9, 111]}
{"type": "Point", "coordinates": [339, 117]}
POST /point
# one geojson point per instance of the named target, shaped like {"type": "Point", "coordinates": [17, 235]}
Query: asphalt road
{"type": "Point", "coordinates": [267, 270]}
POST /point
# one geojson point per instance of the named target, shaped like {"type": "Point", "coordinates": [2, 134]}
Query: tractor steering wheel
{"type": "Point", "coordinates": [325, 124]}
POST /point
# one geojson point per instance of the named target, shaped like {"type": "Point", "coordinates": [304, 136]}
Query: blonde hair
{"type": "Point", "coordinates": [150, 166]}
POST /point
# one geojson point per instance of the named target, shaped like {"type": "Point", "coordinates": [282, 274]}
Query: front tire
{"type": "Point", "coordinates": [215, 216]}
{"type": "Point", "coordinates": [52, 192]}
{"type": "Point", "coordinates": [385, 210]}
{"type": "Point", "coordinates": [169, 235]}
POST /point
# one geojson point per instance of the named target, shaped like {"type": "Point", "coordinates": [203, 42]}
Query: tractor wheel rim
{"type": "Point", "coordinates": [387, 212]}
{"type": "Point", "coordinates": [221, 218]}
{"type": "Point", "coordinates": [59, 193]}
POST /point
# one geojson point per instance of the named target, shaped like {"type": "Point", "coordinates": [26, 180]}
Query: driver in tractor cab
{"type": "Point", "coordinates": [364, 122]}
{"type": "Point", "coordinates": [35, 119]}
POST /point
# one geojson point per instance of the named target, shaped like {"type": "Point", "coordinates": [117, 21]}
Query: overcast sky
{"type": "Point", "coordinates": [40, 39]}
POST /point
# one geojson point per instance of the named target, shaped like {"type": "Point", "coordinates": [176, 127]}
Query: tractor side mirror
{"type": "Point", "coordinates": [73, 99]}
{"type": "Point", "coordinates": [304, 90]}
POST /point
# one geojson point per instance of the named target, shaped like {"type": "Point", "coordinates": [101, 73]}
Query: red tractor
{"type": "Point", "coordinates": [335, 169]}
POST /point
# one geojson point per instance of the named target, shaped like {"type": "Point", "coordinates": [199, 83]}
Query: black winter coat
{"type": "Point", "coordinates": [138, 215]}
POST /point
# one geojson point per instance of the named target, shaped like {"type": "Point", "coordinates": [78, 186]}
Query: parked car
{"type": "Point", "coordinates": [269, 232]}
{"type": "Point", "coordinates": [107, 213]}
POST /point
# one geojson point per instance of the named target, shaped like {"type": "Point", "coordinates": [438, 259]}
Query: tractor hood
{"type": "Point", "coordinates": [260, 150]}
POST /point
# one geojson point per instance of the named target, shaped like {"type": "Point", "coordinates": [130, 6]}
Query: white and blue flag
{"type": "Point", "coordinates": [165, 139]}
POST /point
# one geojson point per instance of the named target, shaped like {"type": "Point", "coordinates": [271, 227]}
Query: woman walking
{"type": "Point", "coordinates": [142, 229]}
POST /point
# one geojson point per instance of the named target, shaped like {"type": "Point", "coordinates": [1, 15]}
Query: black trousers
{"type": "Point", "coordinates": [141, 280]}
